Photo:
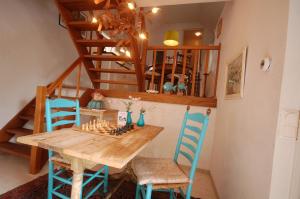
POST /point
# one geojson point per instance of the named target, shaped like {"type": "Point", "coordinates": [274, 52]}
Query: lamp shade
{"type": "Point", "coordinates": [171, 38]}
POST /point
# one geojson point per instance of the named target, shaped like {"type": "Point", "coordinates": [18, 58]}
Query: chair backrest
{"type": "Point", "coordinates": [55, 113]}
{"type": "Point", "coordinates": [191, 137]}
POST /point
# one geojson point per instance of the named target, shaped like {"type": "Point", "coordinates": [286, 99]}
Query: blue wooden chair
{"type": "Point", "coordinates": [165, 175]}
{"type": "Point", "coordinates": [58, 114]}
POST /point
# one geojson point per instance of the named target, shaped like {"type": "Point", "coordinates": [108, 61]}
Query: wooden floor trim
{"type": "Point", "coordinates": [162, 98]}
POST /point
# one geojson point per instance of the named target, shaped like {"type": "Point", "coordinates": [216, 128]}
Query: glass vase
{"type": "Point", "coordinates": [141, 121]}
{"type": "Point", "coordinates": [129, 118]}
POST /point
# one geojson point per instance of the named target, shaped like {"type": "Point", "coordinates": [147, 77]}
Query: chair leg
{"type": "Point", "coordinates": [188, 192]}
{"type": "Point", "coordinates": [172, 194]}
{"type": "Point", "coordinates": [149, 191]}
{"type": "Point", "coordinates": [50, 179]}
{"type": "Point", "coordinates": [106, 171]}
{"type": "Point", "coordinates": [138, 191]}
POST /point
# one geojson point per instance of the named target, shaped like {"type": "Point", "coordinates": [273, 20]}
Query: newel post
{"type": "Point", "coordinates": [38, 156]}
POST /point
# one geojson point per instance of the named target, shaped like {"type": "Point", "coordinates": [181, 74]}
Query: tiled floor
{"type": "Point", "coordinates": [14, 172]}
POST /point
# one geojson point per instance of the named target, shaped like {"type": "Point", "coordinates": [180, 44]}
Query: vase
{"type": "Point", "coordinates": [129, 118]}
{"type": "Point", "coordinates": [141, 121]}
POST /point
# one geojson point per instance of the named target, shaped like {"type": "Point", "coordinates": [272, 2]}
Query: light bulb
{"type": "Point", "coordinates": [131, 5]}
{"type": "Point", "coordinates": [128, 54]}
{"type": "Point", "coordinates": [94, 20]}
{"type": "Point", "coordinates": [142, 35]}
{"type": "Point", "coordinates": [198, 34]}
{"type": "Point", "coordinates": [155, 10]}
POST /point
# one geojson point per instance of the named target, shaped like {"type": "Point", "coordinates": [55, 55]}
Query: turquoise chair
{"type": "Point", "coordinates": [165, 175]}
{"type": "Point", "coordinates": [60, 120]}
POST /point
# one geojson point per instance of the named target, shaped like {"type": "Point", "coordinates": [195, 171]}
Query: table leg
{"type": "Point", "coordinates": [126, 174]}
{"type": "Point", "coordinates": [77, 167]}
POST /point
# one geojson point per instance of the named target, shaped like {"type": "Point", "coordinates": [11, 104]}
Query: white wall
{"type": "Point", "coordinates": [170, 117]}
{"type": "Point", "coordinates": [34, 50]}
{"type": "Point", "coordinates": [286, 167]}
{"type": "Point", "coordinates": [246, 128]}
{"type": "Point", "coordinates": [148, 3]}
{"type": "Point", "coordinates": [157, 30]}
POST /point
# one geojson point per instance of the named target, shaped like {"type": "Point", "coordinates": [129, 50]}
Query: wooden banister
{"type": "Point", "coordinates": [63, 76]}
{"type": "Point", "coordinates": [189, 65]}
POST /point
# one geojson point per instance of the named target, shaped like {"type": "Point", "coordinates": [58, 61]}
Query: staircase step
{"type": "Point", "coordinates": [97, 43]}
{"type": "Point", "coordinates": [15, 149]}
{"type": "Point", "coordinates": [20, 131]}
{"type": "Point", "coordinates": [84, 25]}
{"type": "Point", "coordinates": [84, 5]}
{"type": "Point", "coordinates": [26, 117]}
{"type": "Point", "coordinates": [65, 86]}
{"type": "Point", "coordinates": [119, 71]}
{"type": "Point", "coordinates": [65, 97]}
{"type": "Point", "coordinates": [114, 82]}
{"type": "Point", "coordinates": [108, 58]}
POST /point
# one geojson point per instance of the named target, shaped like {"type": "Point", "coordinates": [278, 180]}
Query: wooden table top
{"type": "Point", "coordinates": [98, 149]}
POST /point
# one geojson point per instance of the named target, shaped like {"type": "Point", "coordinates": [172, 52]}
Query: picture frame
{"type": "Point", "coordinates": [61, 22]}
{"type": "Point", "coordinates": [235, 76]}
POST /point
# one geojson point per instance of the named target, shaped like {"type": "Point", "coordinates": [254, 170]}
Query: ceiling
{"type": "Point", "coordinates": [206, 14]}
{"type": "Point", "coordinates": [148, 3]}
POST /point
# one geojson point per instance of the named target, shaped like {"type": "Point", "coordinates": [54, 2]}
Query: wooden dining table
{"type": "Point", "coordinates": [86, 150]}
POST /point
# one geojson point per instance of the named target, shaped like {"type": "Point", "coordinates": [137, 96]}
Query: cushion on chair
{"type": "Point", "coordinates": [158, 171]}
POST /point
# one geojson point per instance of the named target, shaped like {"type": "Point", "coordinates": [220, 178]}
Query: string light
{"type": "Point", "coordinates": [128, 54]}
{"type": "Point", "coordinates": [198, 34]}
{"type": "Point", "coordinates": [155, 10]}
{"type": "Point", "coordinates": [131, 5]}
{"type": "Point", "coordinates": [142, 36]}
{"type": "Point", "coordinates": [94, 20]}
{"type": "Point", "coordinates": [122, 50]}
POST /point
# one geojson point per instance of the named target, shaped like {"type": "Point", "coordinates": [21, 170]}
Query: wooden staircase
{"type": "Point", "coordinates": [91, 49]}
{"type": "Point", "coordinates": [33, 112]}
{"type": "Point", "coordinates": [18, 126]}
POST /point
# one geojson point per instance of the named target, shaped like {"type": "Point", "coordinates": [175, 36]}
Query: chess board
{"type": "Point", "coordinates": [105, 128]}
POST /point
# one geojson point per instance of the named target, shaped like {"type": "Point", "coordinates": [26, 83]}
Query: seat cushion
{"type": "Point", "coordinates": [158, 171]}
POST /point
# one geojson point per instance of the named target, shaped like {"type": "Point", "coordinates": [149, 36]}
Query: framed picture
{"type": "Point", "coordinates": [235, 76]}
{"type": "Point", "coordinates": [61, 22]}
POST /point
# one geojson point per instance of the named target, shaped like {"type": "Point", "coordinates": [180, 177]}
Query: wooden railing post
{"type": "Point", "coordinates": [217, 71]}
{"type": "Point", "coordinates": [38, 156]}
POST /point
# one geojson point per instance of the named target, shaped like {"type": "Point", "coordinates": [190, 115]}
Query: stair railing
{"type": "Point", "coordinates": [195, 68]}
{"type": "Point", "coordinates": [37, 158]}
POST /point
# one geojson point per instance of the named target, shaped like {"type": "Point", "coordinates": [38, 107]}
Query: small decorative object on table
{"type": "Point", "coordinates": [128, 110]}
{"type": "Point", "coordinates": [168, 88]}
{"type": "Point", "coordinates": [141, 121]}
{"type": "Point", "coordinates": [106, 128]}
{"type": "Point", "coordinates": [128, 106]}
{"type": "Point", "coordinates": [97, 101]}
{"type": "Point", "coordinates": [181, 88]}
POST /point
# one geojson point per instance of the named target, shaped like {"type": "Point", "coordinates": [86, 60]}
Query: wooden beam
{"type": "Point", "coordinates": [184, 47]}
{"type": "Point", "coordinates": [162, 98]}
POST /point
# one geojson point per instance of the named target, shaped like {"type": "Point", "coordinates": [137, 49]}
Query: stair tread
{"type": "Point", "coordinates": [84, 25]}
{"type": "Point", "coordinates": [15, 149]}
{"type": "Point", "coordinates": [100, 42]}
{"type": "Point", "coordinates": [20, 131]}
{"type": "Point", "coordinates": [65, 97]}
{"type": "Point", "coordinates": [82, 5]}
{"type": "Point", "coordinates": [115, 82]}
{"type": "Point", "coordinates": [105, 70]}
{"type": "Point", "coordinates": [26, 117]}
{"type": "Point", "coordinates": [108, 58]}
